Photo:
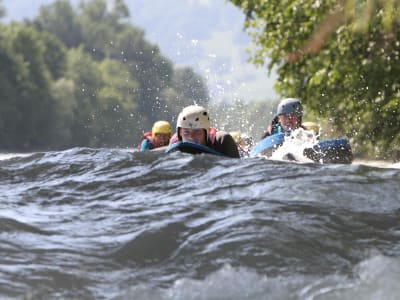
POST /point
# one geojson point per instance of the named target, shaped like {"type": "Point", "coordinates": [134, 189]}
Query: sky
{"type": "Point", "coordinates": [206, 35]}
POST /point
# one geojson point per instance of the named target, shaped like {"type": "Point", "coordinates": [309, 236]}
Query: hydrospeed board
{"type": "Point", "coordinates": [327, 151]}
{"type": "Point", "coordinates": [192, 148]}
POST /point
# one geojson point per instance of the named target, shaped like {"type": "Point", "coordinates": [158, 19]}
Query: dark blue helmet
{"type": "Point", "coordinates": [290, 106]}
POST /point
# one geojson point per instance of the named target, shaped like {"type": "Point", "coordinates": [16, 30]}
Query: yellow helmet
{"type": "Point", "coordinates": [311, 126]}
{"type": "Point", "coordinates": [161, 127]}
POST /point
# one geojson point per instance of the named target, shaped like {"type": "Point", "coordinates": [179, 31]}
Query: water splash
{"type": "Point", "coordinates": [374, 278]}
{"type": "Point", "coordinates": [294, 145]}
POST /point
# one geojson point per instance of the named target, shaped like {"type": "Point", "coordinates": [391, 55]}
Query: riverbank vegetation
{"type": "Point", "coordinates": [85, 76]}
{"type": "Point", "coordinates": [342, 58]}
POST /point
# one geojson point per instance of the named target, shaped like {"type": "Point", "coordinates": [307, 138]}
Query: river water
{"type": "Point", "coordinates": [115, 224]}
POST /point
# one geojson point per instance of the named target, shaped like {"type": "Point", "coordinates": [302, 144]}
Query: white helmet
{"type": "Point", "coordinates": [195, 117]}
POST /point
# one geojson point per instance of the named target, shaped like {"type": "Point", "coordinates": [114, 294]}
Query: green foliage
{"type": "Point", "coordinates": [63, 93]}
{"type": "Point", "coordinates": [341, 58]}
{"type": "Point", "coordinates": [85, 77]}
{"type": "Point", "coordinates": [191, 88]}
{"type": "Point", "coordinates": [27, 106]}
{"type": "Point", "coordinates": [10, 81]}
{"type": "Point", "coordinates": [98, 27]}
{"type": "Point", "coordinates": [120, 11]}
{"type": "Point", "coordinates": [250, 118]}
{"type": "Point", "coordinates": [117, 100]}
{"type": "Point", "coordinates": [2, 11]}
{"type": "Point", "coordinates": [60, 20]}
{"type": "Point", "coordinates": [54, 55]}
{"type": "Point", "coordinates": [83, 71]}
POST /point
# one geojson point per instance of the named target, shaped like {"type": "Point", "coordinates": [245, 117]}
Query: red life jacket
{"type": "Point", "coordinates": [149, 136]}
{"type": "Point", "coordinates": [146, 135]}
{"type": "Point", "coordinates": [212, 138]}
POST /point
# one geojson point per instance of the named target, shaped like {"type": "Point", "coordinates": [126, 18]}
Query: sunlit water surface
{"type": "Point", "coordinates": [116, 224]}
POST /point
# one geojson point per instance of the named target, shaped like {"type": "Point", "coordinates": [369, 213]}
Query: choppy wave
{"type": "Point", "coordinates": [373, 278]}
{"type": "Point", "coordinates": [116, 224]}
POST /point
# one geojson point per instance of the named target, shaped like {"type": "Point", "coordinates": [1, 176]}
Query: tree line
{"type": "Point", "coordinates": [342, 58]}
{"type": "Point", "coordinates": [84, 76]}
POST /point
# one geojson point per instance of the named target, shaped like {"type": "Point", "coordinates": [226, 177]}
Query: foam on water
{"type": "Point", "coordinates": [377, 163]}
{"type": "Point", "coordinates": [374, 278]}
{"type": "Point", "coordinates": [294, 145]}
{"type": "Point", "coordinates": [4, 156]}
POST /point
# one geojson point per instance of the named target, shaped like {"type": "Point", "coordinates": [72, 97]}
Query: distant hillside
{"type": "Point", "coordinates": [204, 34]}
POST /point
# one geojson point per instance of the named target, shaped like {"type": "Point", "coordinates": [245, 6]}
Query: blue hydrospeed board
{"type": "Point", "coordinates": [192, 148]}
{"type": "Point", "coordinates": [336, 150]}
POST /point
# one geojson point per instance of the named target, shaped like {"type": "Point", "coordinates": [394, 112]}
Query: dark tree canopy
{"type": "Point", "coordinates": [341, 58]}
{"type": "Point", "coordinates": [83, 76]}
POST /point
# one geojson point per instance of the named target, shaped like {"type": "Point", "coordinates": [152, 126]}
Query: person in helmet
{"type": "Point", "coordinates": [159, 136]}
{"type": "Point", "coordinates": [288, 117]}
{"type": "Point", "coordinates": [193, 125]}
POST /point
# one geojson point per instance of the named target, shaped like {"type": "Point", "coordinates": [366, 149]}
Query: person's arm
{"type": "Point", "coordinates": [226, 144]}
{"type": "Point", "coordinates": [146, 145]}
{"type": "Point", "coordinates": [270, 127]}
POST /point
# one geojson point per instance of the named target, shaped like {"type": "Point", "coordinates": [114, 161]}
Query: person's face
{"type": "Point", "coordinates": [289, 121]}
{"type": "Point", "coordinates": [197, 136]}
{"type": "Point", "coordinates": [162, 138]}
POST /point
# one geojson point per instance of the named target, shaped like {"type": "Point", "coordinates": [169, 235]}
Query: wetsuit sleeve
{"type": "Point", "coordinates": [269, 130]}
{"type": "Point", "coordinates": [145, 145]}
{"type": "Point", "coordinates": [226, 144]}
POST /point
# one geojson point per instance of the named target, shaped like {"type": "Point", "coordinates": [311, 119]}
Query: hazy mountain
{"type": "Point", "coordinates": [204, 34]}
